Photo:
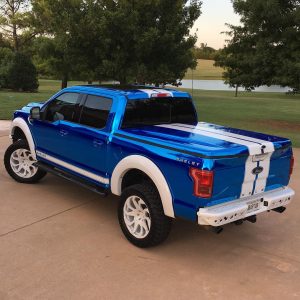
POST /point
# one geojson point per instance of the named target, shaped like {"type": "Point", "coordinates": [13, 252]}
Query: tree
{"type": "Point", "coordinates": [55, 19]}
{"type": "Point", "coordinates": [149, 41]}
{"type": "Point", "coordinates": [265, 49]}
{"type": "Point", "coordinates": [124, 40]}
{"type": "Point", "coordinates": [72, 46]}
{"type": "Point", "coordinates": [15, 22]}
{"type": "Point", "coordinates": [6, 57]}
{"type": "Point", "coordinates": [22, 74]}
{"type": "Point", "coordinates": [237, 58]}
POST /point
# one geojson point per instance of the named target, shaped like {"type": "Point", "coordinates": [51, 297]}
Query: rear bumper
{"type": "Point", "coordinates": [222, 214]}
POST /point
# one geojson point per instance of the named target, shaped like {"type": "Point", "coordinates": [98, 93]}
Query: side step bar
{"type": "Point", "coordinates": [73, 178]}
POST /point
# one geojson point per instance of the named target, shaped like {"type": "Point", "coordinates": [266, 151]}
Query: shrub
{"type": "Point", "coordinates": [22, 74]}
{"type": "Point", "coordinates": [6, 57]}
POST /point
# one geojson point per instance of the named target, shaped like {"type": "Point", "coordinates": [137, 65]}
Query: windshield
{"type": "Point", "coordinates": [155, 111]}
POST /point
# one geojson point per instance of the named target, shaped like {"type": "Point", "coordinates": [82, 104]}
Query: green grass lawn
{"type": "Point", "coordinates": [9, 101]}
{"type": "Point", "coordinates": [205, 70]}
{"type": "Point", "coordinates": [273, 113]}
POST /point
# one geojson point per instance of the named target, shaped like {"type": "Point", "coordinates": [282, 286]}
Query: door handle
{"type": "Point", "coordinates": [63, 132]}
{"type": "Point", "coordinates": [97, 143]}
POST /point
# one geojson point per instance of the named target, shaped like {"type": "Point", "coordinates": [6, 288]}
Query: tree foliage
{"type": "Point", "coordinates": [17, 72]}
{"type": "Point", "coordinates": [124, 40]}
{"type": "Point", "coordinates": [265, 49]}
{"type": "Point", "coordinates": [15, 22]}
{"type": "Point", "coordinates": [6, 57]}
{"type": "Point", "coordinates": [22, 74]}
{"type": "Point", "coordinates": [145, 41]}
{"type": "Point", "coordinates": [149, 41]}
{"type": "Point", "coordinates": [57, 20]}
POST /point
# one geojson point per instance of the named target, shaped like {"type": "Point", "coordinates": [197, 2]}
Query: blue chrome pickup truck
{"type": "Point", "coordinates": [146, 145]}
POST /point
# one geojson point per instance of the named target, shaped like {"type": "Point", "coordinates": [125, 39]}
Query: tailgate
{"type": "Point", "coordinates": [267, 171]}
{"type": "Point", "coordinates": [265, 168]}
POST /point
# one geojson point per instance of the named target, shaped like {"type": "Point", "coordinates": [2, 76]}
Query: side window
{"type": "Point", "coordinates": [62, 108]}
{"type": "Point", "coordinates": [95, 111]}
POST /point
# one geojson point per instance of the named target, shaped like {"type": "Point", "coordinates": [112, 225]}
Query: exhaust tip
{"type": "Point", "coordinates": [251, 219]}
{"type": "Point", "coordinates": [280, 209]}
{"type": "Point", "coordinates": [239, 222]}
{"type": "Point", "coordinates": [216, 230]}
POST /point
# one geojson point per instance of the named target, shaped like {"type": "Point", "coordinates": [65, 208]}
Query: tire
{"type": "Point", "coordinates": [141, 204]}
{"type": "Point", "coordinates": [18, 163]}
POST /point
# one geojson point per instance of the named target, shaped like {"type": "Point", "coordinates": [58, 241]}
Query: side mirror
{"type": "Point", "coordinates": [35, 113]}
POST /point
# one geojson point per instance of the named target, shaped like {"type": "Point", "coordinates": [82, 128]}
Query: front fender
{"type": "Point", "coordinates": [21, 123]}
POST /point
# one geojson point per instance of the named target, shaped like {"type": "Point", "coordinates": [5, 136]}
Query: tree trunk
{"type": "Point", "coordinates": [236, 90]}
{"type": "Point", "coordinates": [15, 38]}
{"type": "Point", "coordinates": [123, 81]}
{"type": "Point", "coordinates": [122, 78]}
{"type": "Point", "coordinates": [90, 82]}
{"type": "Point", "coordinates": [14, 28]}
{"type": "Point", "coordinates": [64, 82]}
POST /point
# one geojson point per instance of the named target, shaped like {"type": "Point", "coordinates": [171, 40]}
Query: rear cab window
{"type": "Point", "coordinates": [154, 111]}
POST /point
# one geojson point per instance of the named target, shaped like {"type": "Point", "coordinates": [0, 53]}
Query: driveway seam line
{"type": "Point", "coordinates": [46, 218]}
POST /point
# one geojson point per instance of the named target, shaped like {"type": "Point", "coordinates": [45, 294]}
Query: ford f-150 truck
{"type": "Point", "coordinates": [147, 146]}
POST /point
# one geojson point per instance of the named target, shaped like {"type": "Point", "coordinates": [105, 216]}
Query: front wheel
{"type": "Point", "coordinates": [20, 164]}
{"type": "Point", "coordinates": [141, 216]}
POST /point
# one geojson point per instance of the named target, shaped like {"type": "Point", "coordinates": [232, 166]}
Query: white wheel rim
{"type": "Point", "coordinates": [22, 163]}
{"type": "Point", "coordinates": [137, 217]}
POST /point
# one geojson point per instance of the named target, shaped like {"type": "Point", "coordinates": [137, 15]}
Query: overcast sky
{"type": "Point", "coordinates": [215, 13]}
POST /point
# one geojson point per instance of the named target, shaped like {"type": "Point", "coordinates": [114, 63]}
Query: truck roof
{"type": "Point", "coordinates": [130, 91]}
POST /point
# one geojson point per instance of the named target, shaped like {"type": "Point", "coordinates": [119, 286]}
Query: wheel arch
{"type": "Point", "coordinates": [19, 125]}
{"type": "Point", "coordinates": [148, 167]}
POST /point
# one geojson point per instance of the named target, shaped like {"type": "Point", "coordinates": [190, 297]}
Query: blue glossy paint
{"type": "Point", "coordinates": [173, 151]}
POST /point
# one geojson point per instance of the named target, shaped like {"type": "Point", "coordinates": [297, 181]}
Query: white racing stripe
{"type": "Point", "coordinates": [261, 182]}
{"type": "Point", "coordinates": [254, 148]}
{"type": "Point", "coordinates": [148, 92]}
{"type": "Point", "coordinates": [269, 146]}
{"type": "Point", "coordinates": [249, 178]}
{"type": "Point", "coordinates": [73, 168]}
{"type": "Point", "coordinates": [151, 92]}
{"type": "Point", "coordinates": [252, 183]}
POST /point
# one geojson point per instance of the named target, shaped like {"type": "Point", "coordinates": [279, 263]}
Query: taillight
{"type": "Point", "coordinates": [292, 165]}
{"type": "Point", "coordinates": [203, 182]}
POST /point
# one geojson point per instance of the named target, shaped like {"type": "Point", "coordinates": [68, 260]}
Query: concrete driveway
{"type": "Point", "coordinates": [60, 241]}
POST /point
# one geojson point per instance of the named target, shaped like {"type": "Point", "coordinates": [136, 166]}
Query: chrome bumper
{"type": "Point", "coordinates": [225, 213]}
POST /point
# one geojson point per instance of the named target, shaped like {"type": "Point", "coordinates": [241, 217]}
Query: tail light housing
{"type": "Point", "coordinates": [203, 182]}
{"type": "Point", "coordinates": [292, 162]}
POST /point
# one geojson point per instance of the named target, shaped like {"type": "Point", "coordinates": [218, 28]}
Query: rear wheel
{"type": "Point", "coordinates": [20, 164]}
{"type": "Point", "coordinates": [141, 216]}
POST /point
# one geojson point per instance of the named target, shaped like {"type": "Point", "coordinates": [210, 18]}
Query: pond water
{"type": "Point", "coordinates": [219, 85]}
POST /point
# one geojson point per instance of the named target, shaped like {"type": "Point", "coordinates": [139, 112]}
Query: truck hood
{"type": "Point", "coordinates": [206, 140]}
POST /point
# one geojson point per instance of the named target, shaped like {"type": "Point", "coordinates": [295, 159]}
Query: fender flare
{"type": "Point", "coordinates": [148, 167]}
{"type": "Point", "coordinates": [20, 123]}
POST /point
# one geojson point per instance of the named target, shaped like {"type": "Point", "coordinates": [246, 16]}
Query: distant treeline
{"type": "Point", "coordinates": [205, 52]}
